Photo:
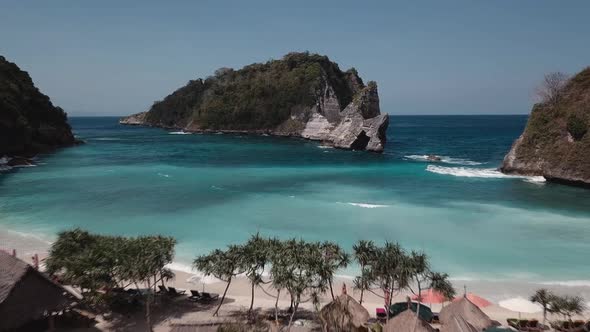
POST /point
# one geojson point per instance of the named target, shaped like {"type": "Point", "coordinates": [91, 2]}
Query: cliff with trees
{"type": "Point", "coordinates": [556, 142]}
{"type": "Point", "coordinates": [302, 95]}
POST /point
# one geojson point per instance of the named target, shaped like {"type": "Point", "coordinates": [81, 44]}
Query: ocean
{"type": "Point", "coordinates": [211, 190]}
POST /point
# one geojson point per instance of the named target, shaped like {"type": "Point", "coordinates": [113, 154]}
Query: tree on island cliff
{"type": "Point", "coordinates": [551, 88]}
{"type": "Point", "coordinates": [223, 265]}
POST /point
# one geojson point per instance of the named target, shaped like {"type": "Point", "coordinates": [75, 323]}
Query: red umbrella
{"type": "Point", "coordinates": [477, 300]}
{"type": "Point", "coordinates": [430, 296]}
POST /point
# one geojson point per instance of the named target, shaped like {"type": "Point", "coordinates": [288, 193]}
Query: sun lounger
{"type": "Point", "coordinates": [174, 292]}
{"type": "Point", "coordinates": [163, 289]}
{"type": "Point", "coordinates": [195, 296]}
{"type": "Point", "coordinates": [209, 296]}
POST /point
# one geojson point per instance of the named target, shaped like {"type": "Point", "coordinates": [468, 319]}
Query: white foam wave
{"type": "Point", "coordinates": [567, 283]}
{"type": "Point", "coordinates": [179, 133]}
{"type": "Point", "coordinates": [196, 277]}
{"type": "Point", "coordinates": [367, 205]}
{"type": "Point", "coordinates": [4, 160]}
{"type": "Point", "coordinates": [489, 173]}
{"type": "Point", "coordinates": [444, 159]}
{"type": "Point", "coordinates": [164, 175]}
{"type": "Point", "coordinates": [325, 147]}
{"type": "Point", "coordinates": [106, 139]}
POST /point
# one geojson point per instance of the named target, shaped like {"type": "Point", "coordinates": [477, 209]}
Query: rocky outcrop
{"type": "Point", "coordinates": [556, 143]}
{"type": "Point", "coordinates": [29, 122]}
{"type": "Point", "coordinates": [302, 95]}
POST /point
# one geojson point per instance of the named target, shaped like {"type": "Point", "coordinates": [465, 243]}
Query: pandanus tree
{"type": "Point", "coordinates": [333, 259]}
{"type": "Point", "coordinates": [365, 253]}
{"type": "Point", "coordinates": [390, 271]}
{"type": "Point", "coordinates": [424, 278]}
{"type": "Point", "coordinates": [254, 257]}
{"type": "Point", "coordinates": [544, 298]}
{"type": "Point", "coordinates": [299, 269]}
{"type": "Point", "coordinates": [224, 265]}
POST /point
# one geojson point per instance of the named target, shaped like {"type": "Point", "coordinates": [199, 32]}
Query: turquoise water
{"type": "Point", "coordinates": [212, 190]}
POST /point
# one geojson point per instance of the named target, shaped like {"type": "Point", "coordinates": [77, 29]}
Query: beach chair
{"type": "Point", "coordinates": [175, 292]}
{"type": "Point", "coordinates": [381, 314]}
{"type": "Point", "coordinates": [195, 296]}
{"type": "Point", "coordinates": [209, 296]}
{"type": "Point", "coordinates": [162, 290]}
{"type": "Point", "coordinates": [534, 326]}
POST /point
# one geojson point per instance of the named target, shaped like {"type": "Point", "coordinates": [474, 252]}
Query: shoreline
{"type": "Point", "coordinates": [27, 245]}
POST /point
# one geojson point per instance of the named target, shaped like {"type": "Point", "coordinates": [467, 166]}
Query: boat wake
{"type": "Point", "coordinates": [489, 173]}
{"type": "Point", "coordinates": [443, 159]}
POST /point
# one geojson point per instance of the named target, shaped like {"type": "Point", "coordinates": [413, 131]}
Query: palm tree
{"type": "Point", "coordinates": [365, 254]}
{"type": "Point", "coordinates": [573, 305]}
{"type": "Point", "coordinates": [543, 297]}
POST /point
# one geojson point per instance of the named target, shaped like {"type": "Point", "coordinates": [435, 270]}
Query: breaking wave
{"type": "Point", "coordinates": [444, 159]}
{"type": "Point", "coordinates": [489, 173]}
{"type": "Point", "coordinates": [179, 133]}
{"type": "Point", "coordinates": [367, 205]}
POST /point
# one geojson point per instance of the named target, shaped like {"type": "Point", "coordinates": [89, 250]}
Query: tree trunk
{"type": "Point", "coordinates": [251, 300]}
{"type": "Point", "coordinates": [331, 290]}
{"type": "Point", "coordinates": [418, 307]}
{"type": "Point", "coordinates": [362, 291]}
{"type": "Point", "coordinates": [148, 317]}
{"type": "Point", "coordinates": [293, 314]}
{"type": "Point", "coordinates": [277, 308]}
{"type": "Point", "coordinates": [216, 313]}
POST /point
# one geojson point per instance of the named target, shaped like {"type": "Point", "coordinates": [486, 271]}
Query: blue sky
{"type": "Point", "coordinates": [428, 57]}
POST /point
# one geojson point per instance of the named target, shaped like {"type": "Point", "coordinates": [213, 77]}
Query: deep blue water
{"type": "Point", "coordinates": [212, 190]}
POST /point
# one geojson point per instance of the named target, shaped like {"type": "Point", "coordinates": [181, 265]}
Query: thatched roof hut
{"type": "Point", "coordinates": [458, 324]}
{"type": "Point", "coordinates": [344, 314]}
{"type": "Point", "coordinates": [468, 312]}
{"type": "Point", "coordinates": [25, 293]}
{"type": "Point", "coordinates": [405, 322]}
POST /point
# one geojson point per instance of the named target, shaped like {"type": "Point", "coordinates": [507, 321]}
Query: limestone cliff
{"type": "Point", "coordinates": [301, 95]}
{"type": "Point", "coordinates": [29, 122]}
{"type": "Point", "coordinates": [556, 142]}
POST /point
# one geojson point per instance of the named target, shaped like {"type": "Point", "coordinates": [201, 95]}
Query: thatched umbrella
{"type": "Point", "coordinates": [406, 322]}
{"type": "Point", "coordinates": [344, 314]}
{"type": "Point", "coordinates": [458, 324]}
{"type": "Point", "coordinates": [467, 311]}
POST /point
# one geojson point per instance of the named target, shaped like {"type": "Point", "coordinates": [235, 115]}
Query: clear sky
{"type": "Point", "coordinates": [428, 57]}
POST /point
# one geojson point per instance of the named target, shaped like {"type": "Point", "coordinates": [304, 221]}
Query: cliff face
{"type": "Point", "coordinates": [302, 95]}
{"type": "Point", "coordinates": [29, 123]}
{"type": "Point", "coordinates": [556, 142]}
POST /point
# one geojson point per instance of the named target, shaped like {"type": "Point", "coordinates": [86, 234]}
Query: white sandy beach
{"type": "Point", "coordinates": [238, 298]}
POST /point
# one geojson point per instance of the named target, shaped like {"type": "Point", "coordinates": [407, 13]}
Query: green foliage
{"type": "Point", "coordinates": [256, 97]}
{"type": "Point", "coordinates": [94, 262]}
{"type": "Point", "coordinates": [29, 122]}
{"type": "Point", "coordinates": [577, 127]}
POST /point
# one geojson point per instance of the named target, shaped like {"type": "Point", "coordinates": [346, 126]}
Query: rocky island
{"type": "Point", "coordinates": [29, 122]}
{"type": "Point", "coordinates": [301, 95]}
{"type": "Point", "coordinates": [556, 143]}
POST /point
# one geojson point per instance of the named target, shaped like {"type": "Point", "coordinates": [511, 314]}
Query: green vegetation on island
{"type": "Point", "coordinates": [29, 122]}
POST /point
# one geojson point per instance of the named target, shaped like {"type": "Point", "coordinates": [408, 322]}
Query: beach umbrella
{"type": "Point", "coordinates": [468, 311]}
{"type": "Point", "coordinates": [458, 324]}
{"type": "Point", "coordinates": [477, 300]}
{"type": "Point", "coordinates": [430, 296]}
{"type": "Point", "coordinates": [520, 305]}
{"type": "Point", "coordinates": [406, 321]}
{"type": "Point", "coordinates": [344, 314]}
